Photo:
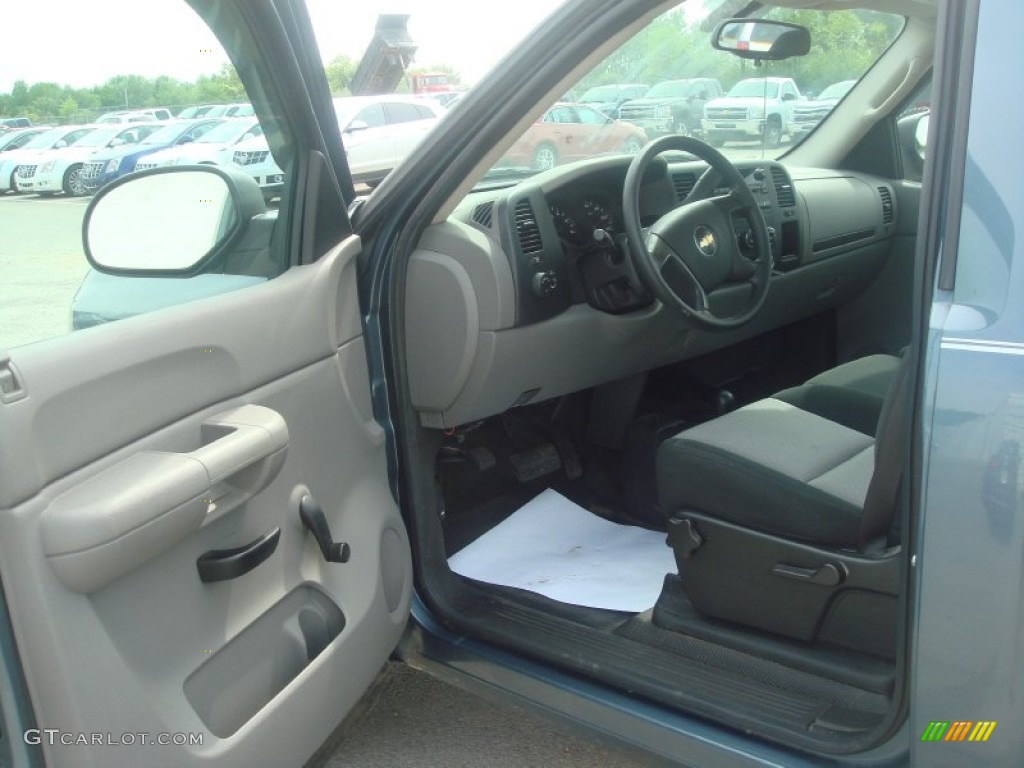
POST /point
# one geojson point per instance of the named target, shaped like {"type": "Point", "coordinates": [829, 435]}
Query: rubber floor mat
{"type": "Point", "coordinates": [558, 549]}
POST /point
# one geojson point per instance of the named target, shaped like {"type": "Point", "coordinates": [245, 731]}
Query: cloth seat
{"type": "Point", "coordinates": [851, 394]}
{"type": "Point", "coordinates": [782, 466]}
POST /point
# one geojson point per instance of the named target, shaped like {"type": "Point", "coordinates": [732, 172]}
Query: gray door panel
{"type": "Point", "coordinates": [260, 667]}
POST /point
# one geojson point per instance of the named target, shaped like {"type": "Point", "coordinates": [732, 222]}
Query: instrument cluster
{"type": "Point", "coordinates": [576, 219]}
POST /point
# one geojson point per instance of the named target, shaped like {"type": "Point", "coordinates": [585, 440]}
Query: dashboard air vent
{"type": "Point", "coordinates": [887, 211]}
{"type": "Point", "coordinates": [783, 188]}
{"type": "Point", "coordinates": [683, 182]}
{"type": "Point", "coordinates": [527, 229]}
{"type": "Point", "coordinates": [482, 213]}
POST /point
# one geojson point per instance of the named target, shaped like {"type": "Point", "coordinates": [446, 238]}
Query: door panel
{"type": "Point", "coordinates": [260, 667]}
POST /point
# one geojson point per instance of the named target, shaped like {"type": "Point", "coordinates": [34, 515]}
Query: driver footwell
{"type": "Point", "coordinates": [552, 584]}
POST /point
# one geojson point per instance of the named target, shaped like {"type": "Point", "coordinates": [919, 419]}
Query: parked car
{"type": "Point", "coordinates": [445, 98]}
{"type": "Point", "coordinates": [229, 110]}
{"type": "Point", "coordinates": [568, 132]}
{"type": "Point", "coordinates": [197, 111]}
{"type": "Point", "coordinates": [51, 139]}
{"type": "Point", "coordinates": [134, 116]}
{"type": "Point", "coordinates": [253, 156]}
{"type": "Point", "coordinates": [378, 132]}
{"type": "Point", "coordinates": [19, 137]}
{"type": "Point", "coordinates": [716, 454]}
{"type": "Point", "coordinates": [805, 115]}
{"type": "Point", "coordinates": [672, 106]}
{"type": "Point", "coordinates": [754, 108]}
{"type": "Point", "coordinates": [608, 98]}
{"type": "Point", "coordinates": [60, 170]}
{"type": "Point", "coordinates": [214, 146]}
{"type": "Point", "coordinates": [105, 166]}
{"type": "Point", "coordinates": [13, 123]}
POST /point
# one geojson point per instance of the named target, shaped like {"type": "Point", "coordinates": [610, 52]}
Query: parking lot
{"type": "Point", "coordinates": [42, 264]}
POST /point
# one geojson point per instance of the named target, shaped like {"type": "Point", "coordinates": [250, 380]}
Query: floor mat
{"type": "Point", "coordinates": [556, 548]}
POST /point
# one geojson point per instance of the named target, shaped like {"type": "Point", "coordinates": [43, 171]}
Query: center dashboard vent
{"type": "Point", "coordinates": [783, 188]}
{"type": "Point", "coordinates": [526, 228]}
{"type": "Point", "coordinates": [887, 210]}
{"type": "Point", "coordinates": [683, 183]}
{"type": "Point", "coordinates": [482, 213]}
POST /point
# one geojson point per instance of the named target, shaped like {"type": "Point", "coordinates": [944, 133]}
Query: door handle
{"type": "Point", "coordinates": [142, 506]}
{"type": "Point", "coordinates": [239, 438]}
{"type": "Point", "coordinates": [224, 564]}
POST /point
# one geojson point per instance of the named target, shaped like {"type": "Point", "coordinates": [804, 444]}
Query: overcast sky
{"type": "Point", "coordinates": [84, 42]}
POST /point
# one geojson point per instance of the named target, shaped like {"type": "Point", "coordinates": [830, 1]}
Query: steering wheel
{"type": "Point", "coordinates": [693, 249]}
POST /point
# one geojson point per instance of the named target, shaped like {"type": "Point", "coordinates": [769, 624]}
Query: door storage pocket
{"type": "Point", "coordinates": [257, 664]}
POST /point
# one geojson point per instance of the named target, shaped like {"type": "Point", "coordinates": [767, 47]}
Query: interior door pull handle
{"type": "Point", "coordinates": [224, 564]}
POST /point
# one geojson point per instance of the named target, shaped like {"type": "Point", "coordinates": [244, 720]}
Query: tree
{"type": "Point", "coordinates": [843, 45]}
{"type": "Point", "coordinates": [339, 71]}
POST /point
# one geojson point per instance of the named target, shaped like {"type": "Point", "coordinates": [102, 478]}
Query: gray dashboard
{"type": "Point", "coordinates": [526, 292]}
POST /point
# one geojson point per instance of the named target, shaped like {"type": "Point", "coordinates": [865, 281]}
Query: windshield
{"type": "Point", "coordinates": [168, 134]}
{"type": "Point", "coordinates": [99, 137]}
{"type": "Point", "coordinates": [671, 89]}
{"type": "Point", "coordinates": [761, 116]}
{"type": "Point", "coordinates": [46, 139]}
{"type": "Point", "coordinates": [228, 132]}
{"type": "Point", "coordinates": [756, 88]}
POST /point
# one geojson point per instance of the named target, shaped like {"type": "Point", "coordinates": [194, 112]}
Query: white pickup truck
{"type": "Point", "coordinates": [755, 108]}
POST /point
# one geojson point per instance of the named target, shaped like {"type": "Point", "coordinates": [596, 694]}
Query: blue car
{"type": "Point", "coordinates": [107, 166]}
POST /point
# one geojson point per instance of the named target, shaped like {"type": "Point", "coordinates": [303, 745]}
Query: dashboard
{"type": "Point", "coordinates": [529, 292]}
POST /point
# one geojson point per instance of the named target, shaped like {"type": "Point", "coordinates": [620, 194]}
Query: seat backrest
{"type": "Point", "coordinates": [880, 503]}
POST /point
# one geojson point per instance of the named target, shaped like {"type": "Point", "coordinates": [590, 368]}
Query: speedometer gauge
{"type": "Point", "coordinates": [599, 215]}
{"type": "Point", "coordinates": [565, 224]}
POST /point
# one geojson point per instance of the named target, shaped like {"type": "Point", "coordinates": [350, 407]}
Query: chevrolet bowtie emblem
{"type": "Point", "coordinates": [706, 241]}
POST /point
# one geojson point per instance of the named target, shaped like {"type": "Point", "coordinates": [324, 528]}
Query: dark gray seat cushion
{"type": "Point", "coordinates": [773, 467]}
{"type": "Point", "coordinates": [851, 394]}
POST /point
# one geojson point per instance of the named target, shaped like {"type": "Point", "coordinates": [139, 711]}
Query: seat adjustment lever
{"type": "Point", "coordinates": [312, 517]}
{"type": "Point", "coordinates": [828, 575]}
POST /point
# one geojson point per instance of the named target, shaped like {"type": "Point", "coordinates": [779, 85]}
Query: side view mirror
{"type": "Point", "coordinates": [356, 125]}
{"type": "Point", "coordinates": [60, 144]}
{"type": "Point", "coordinates": [134, 226]}
{"type": "Point", "coordinates": [117, 142]}
{"type": "Point", "coordinates": [921, 137]}
{"type": "Point", "coordinates": [789, 97]}
{"type": "Point", "coordinates": [186, 140]}
{"type": "Point", "coordinates": [761, 39]}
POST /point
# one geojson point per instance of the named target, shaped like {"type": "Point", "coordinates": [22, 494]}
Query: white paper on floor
{"type": "Point", "coordinates": [556, 548]}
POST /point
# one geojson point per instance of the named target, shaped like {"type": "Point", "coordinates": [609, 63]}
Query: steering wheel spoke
{"type": "Point", "coordinates": [732, 201]}
{"type": "Point", "coordinates": [677, 275]}
{"type": "Point", "coordinates": [692, 251]}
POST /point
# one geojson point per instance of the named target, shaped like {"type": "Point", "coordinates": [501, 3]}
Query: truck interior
{"type": "Point", "coordinates": [723, 417]}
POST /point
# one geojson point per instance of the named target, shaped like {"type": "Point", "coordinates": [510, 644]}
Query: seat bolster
{"type": "Point", "coordinates": [772, 467]}
{"type": "Point", "coordinates": [849, 407]}
{"type": "Point", "coordinates": [851, 394]}
{"type": "Point", "coordinates": [849, 481]}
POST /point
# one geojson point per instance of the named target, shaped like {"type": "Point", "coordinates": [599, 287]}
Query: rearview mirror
{"type": "Point", "coordinates": [168, 220]}
{"type": "Point", "coordinates": [762, 40]}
